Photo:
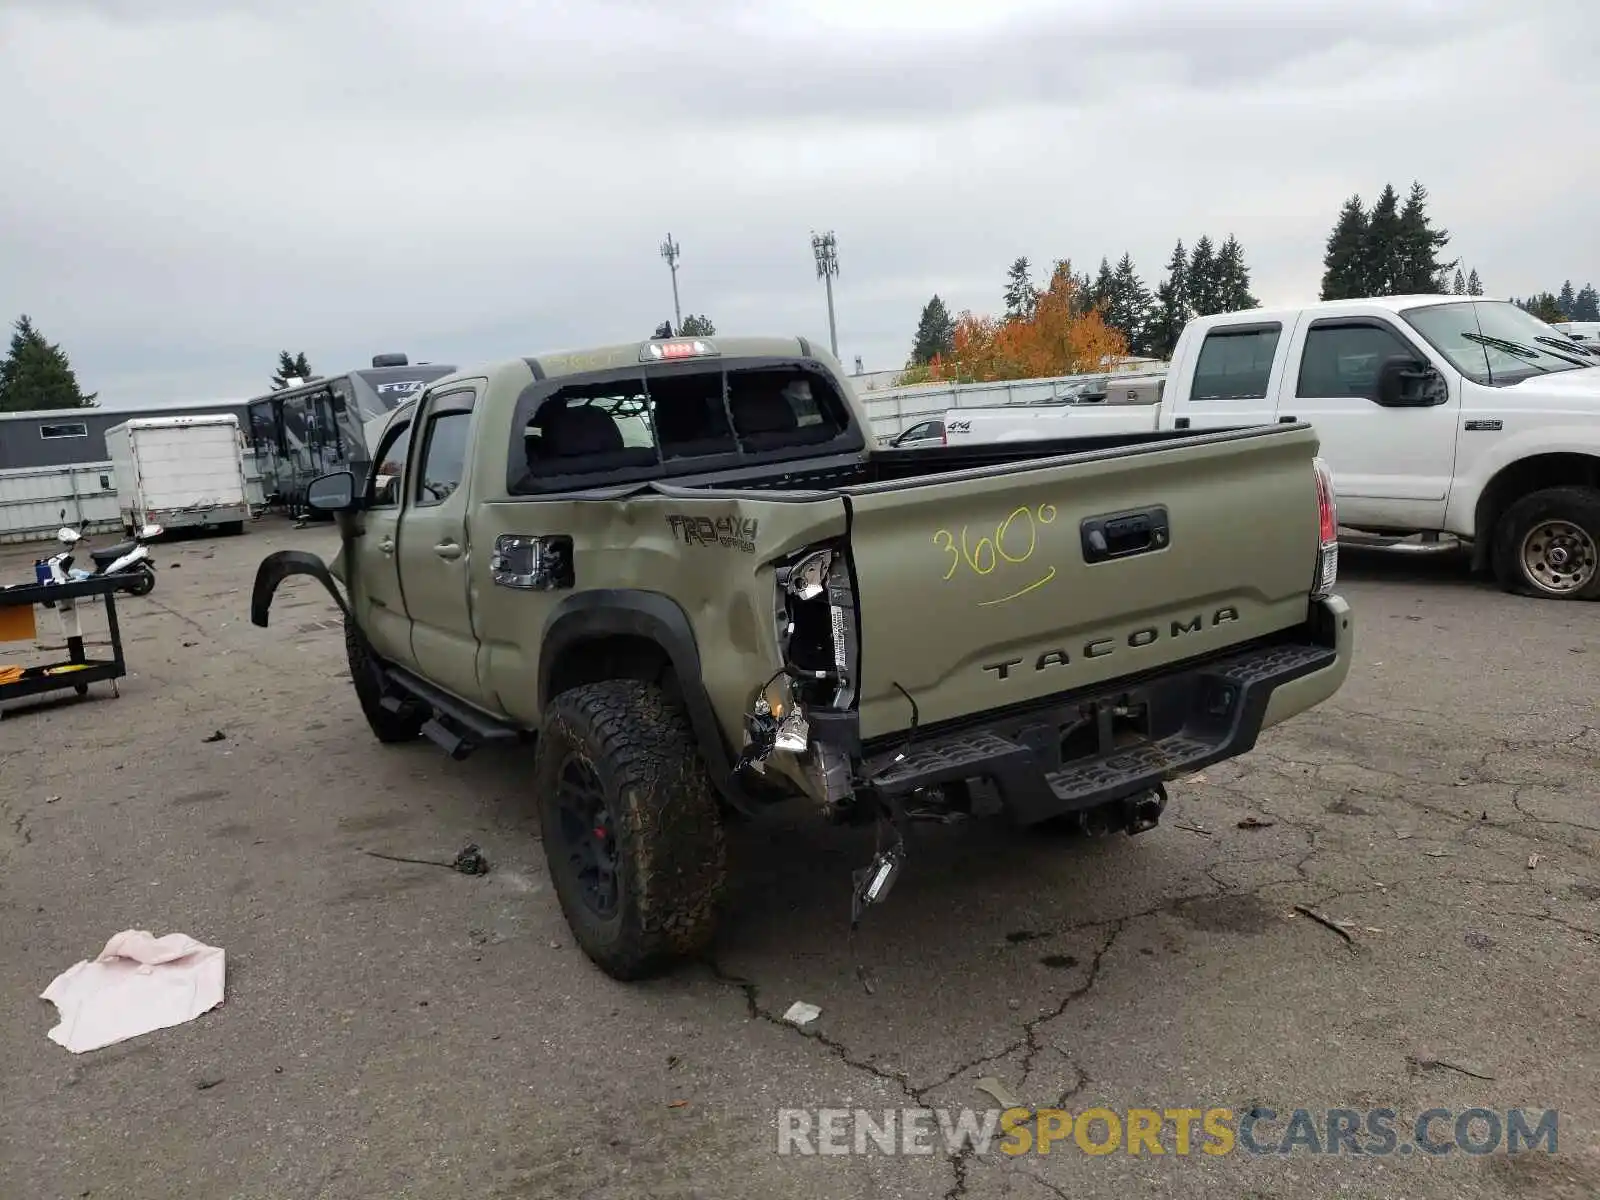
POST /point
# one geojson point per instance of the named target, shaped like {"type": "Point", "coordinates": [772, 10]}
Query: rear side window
{"type": "Point", "coordinates": [674, 421]}
{"type": "Point", "coordinates": [1235, 364]}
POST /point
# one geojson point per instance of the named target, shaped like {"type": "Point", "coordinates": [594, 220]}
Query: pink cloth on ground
{"type": "Point", "coordinates": [139, 983]}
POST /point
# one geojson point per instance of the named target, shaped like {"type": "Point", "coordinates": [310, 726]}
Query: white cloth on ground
{"type": "Point", "coordinates": [139, 983]}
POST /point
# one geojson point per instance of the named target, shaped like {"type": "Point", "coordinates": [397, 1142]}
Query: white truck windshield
{"type": "Point", "coordinates": [1495, 343]}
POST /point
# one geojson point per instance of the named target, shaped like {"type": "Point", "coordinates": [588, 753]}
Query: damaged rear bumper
{"type": "Point", "coordinates": [1079, 752]}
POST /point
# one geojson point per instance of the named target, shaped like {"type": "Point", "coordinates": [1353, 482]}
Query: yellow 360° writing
{"type": "Point", "coordinates": [1012, 540]}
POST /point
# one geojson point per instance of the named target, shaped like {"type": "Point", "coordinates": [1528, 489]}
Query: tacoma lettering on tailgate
{"type": "Point", "coordinates": [1100, 647]}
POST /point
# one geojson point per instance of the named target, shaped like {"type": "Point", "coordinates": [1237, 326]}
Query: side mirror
{"type": "Point", "coordinates": [1404, 382]}
{"type": "Point", "coordinates": [333, 492]}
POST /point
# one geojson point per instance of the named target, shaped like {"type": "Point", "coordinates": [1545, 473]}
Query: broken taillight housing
{"type": "Point", "coordinates": [817, 631]}
{"type": "Point", "coordinates": [1327, 572]}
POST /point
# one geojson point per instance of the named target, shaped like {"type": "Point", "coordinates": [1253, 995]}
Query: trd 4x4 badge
{"type": "Point", "coordinates": [738, 533]}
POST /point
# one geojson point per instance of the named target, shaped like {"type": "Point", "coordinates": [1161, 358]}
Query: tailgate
{"type": "Point", "coordinates": [976, 589]}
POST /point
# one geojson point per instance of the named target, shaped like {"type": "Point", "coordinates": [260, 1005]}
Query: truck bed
{"type": "Point", "coordinates": [993, 576]}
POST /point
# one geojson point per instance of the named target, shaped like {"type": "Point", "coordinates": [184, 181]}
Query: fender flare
{"type": "Point", "coordinates": [658, 618]}
{"type": "Point", "coordinates": [282, 564]}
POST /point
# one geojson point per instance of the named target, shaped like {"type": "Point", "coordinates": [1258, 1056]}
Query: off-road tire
{"type": "Point", "coordinates": [663, 811]}
{"type": "Point", "coordinates": [366, 673]}
{"type": "Point", "coordinates": [1578, 506]}
{"type": "Point", "coordinates": [142, 583]}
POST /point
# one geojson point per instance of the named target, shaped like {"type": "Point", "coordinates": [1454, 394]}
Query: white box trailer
{"type": "Point", "coordinates": [180, 472]}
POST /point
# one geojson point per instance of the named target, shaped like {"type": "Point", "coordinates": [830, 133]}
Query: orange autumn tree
{"type": "Point", "coordinates": [1062, 337]}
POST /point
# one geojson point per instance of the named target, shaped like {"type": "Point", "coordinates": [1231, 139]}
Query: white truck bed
{"type": "Point", "coordinates": [1133, 406]}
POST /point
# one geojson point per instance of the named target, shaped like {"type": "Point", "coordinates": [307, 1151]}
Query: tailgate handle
{"type": "Point", "coordinates": [1124, 534]}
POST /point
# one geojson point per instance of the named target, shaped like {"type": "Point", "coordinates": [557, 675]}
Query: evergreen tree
{"type": "Point", "coordinates": [1381, 268]}
{"type": "Point", "coordinates": [936, 333]}
{"type": "Point", "coordinates": [1474, 284]}
{"type": "Point", "coordinates": [1233, 278]}
{"type": "Point", "coordinates": [1567, 299]}
{"type": "Point", "coordinates": [1459, 286]}
{"type": "Point", "coordinates": [290, 366]}
{"type": "Point", "coordinates": [1547, 307]}
{"type": "Point", "coordinates": [1543, 305]}
{"type": "Point", "coordinates": [1103, 287]}
{"type": "Point", "coordinates": [35, 374]}
{"type": "Point", "coordinates": [1417, 243]}
{"type": "Point", "coordinates": [1171, 310]}
{"type": "Point", "coordinates": [1586, 305]}
{"type": "Point", "coordinates": [1128, 309]}
{"type": "Point", "coordinates": [1344, 260]}
{"type": "Point", "coordinates": [1202, 287]}
{"type": "Point", "coordinates": [1021, 297]}
{"type": "Point", "coordinates": [1083, 289]}
{"type": "Point", "coordinates": [696, 325]}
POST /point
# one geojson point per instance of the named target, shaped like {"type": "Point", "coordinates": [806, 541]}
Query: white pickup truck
{"type": "Point", "coordinates": [1436, 414]}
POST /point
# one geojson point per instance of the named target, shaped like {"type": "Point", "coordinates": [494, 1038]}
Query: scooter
{"type": "Point", "coordinates": [130, 559]}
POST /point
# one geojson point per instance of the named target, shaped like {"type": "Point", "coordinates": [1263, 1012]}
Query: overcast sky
{"type": "Point", "coordinates": [189, 186]}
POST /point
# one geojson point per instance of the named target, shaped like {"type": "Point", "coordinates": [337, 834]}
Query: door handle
{"type": "Point", "coordinates": [386, 544]}
{"type": "Point", "coordinates": [448, 550]}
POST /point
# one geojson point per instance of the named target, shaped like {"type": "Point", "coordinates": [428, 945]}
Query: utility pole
{"type": "Point", "coordinates": [669, 251]}
{"type": "Point", "coordinates": [826, 252]}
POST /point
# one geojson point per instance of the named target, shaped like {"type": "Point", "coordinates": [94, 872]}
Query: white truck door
{"type": "Point", "coordinates": [1391, 465]}
{"type": "Point", "coordinates": [1226, 376]}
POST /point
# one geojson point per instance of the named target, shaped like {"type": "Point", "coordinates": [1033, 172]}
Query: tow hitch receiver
{"type": "Point", "coordinates": [1144, 812]}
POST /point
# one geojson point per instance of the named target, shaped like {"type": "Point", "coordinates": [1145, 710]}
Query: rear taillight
{"type": "Point", "coordinates": [1327, 572]}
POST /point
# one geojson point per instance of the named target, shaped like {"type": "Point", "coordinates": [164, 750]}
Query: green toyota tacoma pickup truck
{"type": "Point", "coordinates": [684, 570]}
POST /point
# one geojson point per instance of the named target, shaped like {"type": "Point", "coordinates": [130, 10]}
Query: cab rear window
{"type": "Point", "coordinates": [672, 420]}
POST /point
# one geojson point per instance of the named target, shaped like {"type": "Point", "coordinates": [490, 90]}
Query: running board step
{"type": "Point", "coordinates": [456, 728]}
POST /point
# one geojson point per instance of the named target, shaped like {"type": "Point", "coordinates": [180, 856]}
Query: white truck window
{"type": "Point", "coordinates": [1235, 364]}
{"type": "Point", "coordinates": [1343, 360]}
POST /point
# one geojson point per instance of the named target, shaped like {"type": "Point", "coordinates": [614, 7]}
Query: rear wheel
{"type": "Point", "coordinates": [1548, 545]}
{"type": "Point", "coordinates": [142, 582]}
{"type": "Point", "coordinates": [366, 673]}
{"type": "Point", "coordinates": [631, 827]}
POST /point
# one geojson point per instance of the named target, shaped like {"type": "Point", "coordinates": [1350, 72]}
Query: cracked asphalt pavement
{"type": "Point", "coordinates": [1394, 901]}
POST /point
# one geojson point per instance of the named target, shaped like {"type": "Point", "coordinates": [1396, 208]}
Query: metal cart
{"type": "Point", "coordinates": [79, 670]}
